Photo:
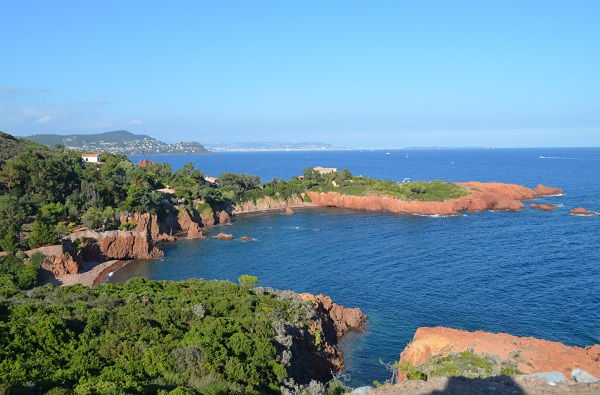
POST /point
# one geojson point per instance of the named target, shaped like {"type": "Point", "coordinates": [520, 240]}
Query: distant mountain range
{"type": "Point", "coordinates": [119, 142]}
{"type": "Point", "coordinates": [270, 146]}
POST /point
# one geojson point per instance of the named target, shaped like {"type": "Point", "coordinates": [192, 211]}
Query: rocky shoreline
{"type": "Point", "coordinates": [146, 230]}
{"type": "Point", "coordinates": [482, 196]}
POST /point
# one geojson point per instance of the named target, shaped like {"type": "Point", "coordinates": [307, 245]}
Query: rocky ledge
{"type": "Point", "coordinates": [526, 354]}
{"type": "Point", "coordinates": [482, 196]}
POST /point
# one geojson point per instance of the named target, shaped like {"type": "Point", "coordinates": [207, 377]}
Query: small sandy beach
{"type": "Point", "coordinates": [91, 274]}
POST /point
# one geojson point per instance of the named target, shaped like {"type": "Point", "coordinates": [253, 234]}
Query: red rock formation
{"type": "Point", "coordinates": [530, 355]}
{"type": "Point", "coordinates": [119, 245]}
{"type": "Point", "coordinates": [581, 211]}
{"type": "Point", "coordinates": [61, 265]}
{"type": "Point", "coordinates": [224, 218]}
{"type": "Point", "coordinates": [542, 190]}
{"type": "Point", "coordinates": [189, 226]}
{"type": "Point", "coordinates": [147, 223]}
{"type": "Point", "coordinates": [341, 319]}
{"type": "Point", "coordinates": [207, 217]}
{"type": "Point", "coordinates": [543, 207]}
{"type": "Point", "coordinates": [483, 196]}
{"type": "Point", "coordinates": [246, 238]}
{"type": "Point", "coordinates": [289, 211]}
{"type": "Point", "coordinates": [144, 162]}
{"type": "Point", "coordinates": [223, 236]}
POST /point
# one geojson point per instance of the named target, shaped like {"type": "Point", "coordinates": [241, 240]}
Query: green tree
{"type": "Point", "coordinates": [92, 218]}
{"type": "Point", "coordinates": [42, 233]}
{"type": "Point", "coordinates": [248, 281]}
{"type": "Point", "coordinates": [9, 242]}
{"type": "Point", "coordinates": [12, 215]}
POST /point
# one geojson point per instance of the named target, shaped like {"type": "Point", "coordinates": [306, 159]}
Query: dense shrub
{"type": "Point", "coordinates": [191, 337]}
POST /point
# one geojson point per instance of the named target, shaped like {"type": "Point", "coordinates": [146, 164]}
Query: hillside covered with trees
{"type": "Point", "coordinates": [153, 337]}
{"type": "Point", "coordinates": [46, 192]}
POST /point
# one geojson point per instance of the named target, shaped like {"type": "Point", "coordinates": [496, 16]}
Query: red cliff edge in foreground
{"type": "Point", "coordinates": [483, 196]}
{"type": "Point", "coordinates": [531, 355]}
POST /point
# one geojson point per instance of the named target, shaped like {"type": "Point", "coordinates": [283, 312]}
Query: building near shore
{"type": "Point", "coordinates": [325, 170]}
{"type": "Point", "coordinates": [91, 158]}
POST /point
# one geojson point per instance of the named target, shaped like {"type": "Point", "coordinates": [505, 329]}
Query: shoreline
{"type": "Point", "coordinates": [93, 273]}
{"type": "Point", "coordinates": [305, 205]}
{"type": "Point", "coordinates": [491, 196]}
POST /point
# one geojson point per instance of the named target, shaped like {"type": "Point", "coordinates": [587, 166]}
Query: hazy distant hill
{"type": "Point", "coordinates": [119, 142]}
{"type": "Point", "coordinates": [269, 146]}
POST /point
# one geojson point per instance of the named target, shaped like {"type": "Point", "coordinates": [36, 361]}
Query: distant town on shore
{"type": "Point", "coordinates": [124, 142]}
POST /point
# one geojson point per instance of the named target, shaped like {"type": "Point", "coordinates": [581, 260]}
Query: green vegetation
{"type": "Point", "coordinates": [248, 281]}
{"type": "Point", "coordinates": [345, 183]}
{"type": "Point", "coordinates": [190, 337]}
{"type": "Point", "coordinates": [11, 146]}
{"type": "Point", "coordinates": [14, 275]}
{"type": "Point", "coordinates": [464, 364]}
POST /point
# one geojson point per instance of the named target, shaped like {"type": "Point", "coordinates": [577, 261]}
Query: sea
{"type": "Point", "coordinates": [527, 273]}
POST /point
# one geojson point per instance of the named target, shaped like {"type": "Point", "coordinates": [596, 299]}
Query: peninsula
{"type": "Point", "coordinates": [119, 142]}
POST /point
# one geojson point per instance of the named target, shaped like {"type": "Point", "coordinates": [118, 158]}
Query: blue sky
{"type": "Point", "coordinates": [350, 73]}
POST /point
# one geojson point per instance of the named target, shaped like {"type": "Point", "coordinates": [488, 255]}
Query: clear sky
{"type": "Point", "coordinates": [350, 73]}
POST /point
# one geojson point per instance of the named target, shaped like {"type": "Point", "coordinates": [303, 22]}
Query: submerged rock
{"type": "Point", "coordinates": [543, 207]}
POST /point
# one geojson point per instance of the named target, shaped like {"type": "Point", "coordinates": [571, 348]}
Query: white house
{"type": "Point", "coordinates": [325, 170]}
{"type": "Point", "coordinates": [94, 158]}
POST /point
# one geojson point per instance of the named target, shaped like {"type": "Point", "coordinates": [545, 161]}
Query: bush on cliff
{"type": "Point", "coordinates": [464, 364]}
{"type": "Point", "coordinates": [190, 337]}
{"type": "Point", "coordinates": [429, 191]}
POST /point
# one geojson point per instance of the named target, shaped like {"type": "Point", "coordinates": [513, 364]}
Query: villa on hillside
{"type": "Point", "coordinates": [210, 181]}
{"type": "Point", "coordinates": [325, 170]}
{"type": "Point", "coordinates": [93, 158]}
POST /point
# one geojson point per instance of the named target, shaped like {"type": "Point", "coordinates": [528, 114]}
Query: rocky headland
{"type": "Point", "coordinates": [481, 197]}
{"type": "Point", "coordinates": [535, 366]}
{"type": "Point", "coordinates": [526, 354]}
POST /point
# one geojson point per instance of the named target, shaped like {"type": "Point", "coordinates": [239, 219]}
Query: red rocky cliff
{"type": "Point", "coordinates": [530, 355]}
{"type": "Point", "coordinates": [482, 196]}
{"type": "Point", "coordinates": [119, 245]}
{"type": "Point", "coordinates": [336, 318]}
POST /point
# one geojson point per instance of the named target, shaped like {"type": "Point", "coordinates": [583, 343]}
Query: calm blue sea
{"type": "Point", "coordinates": [528, 273]}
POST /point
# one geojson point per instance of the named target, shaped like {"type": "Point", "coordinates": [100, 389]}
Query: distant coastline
{"type": "Point", "coordinates": [264, 146]}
